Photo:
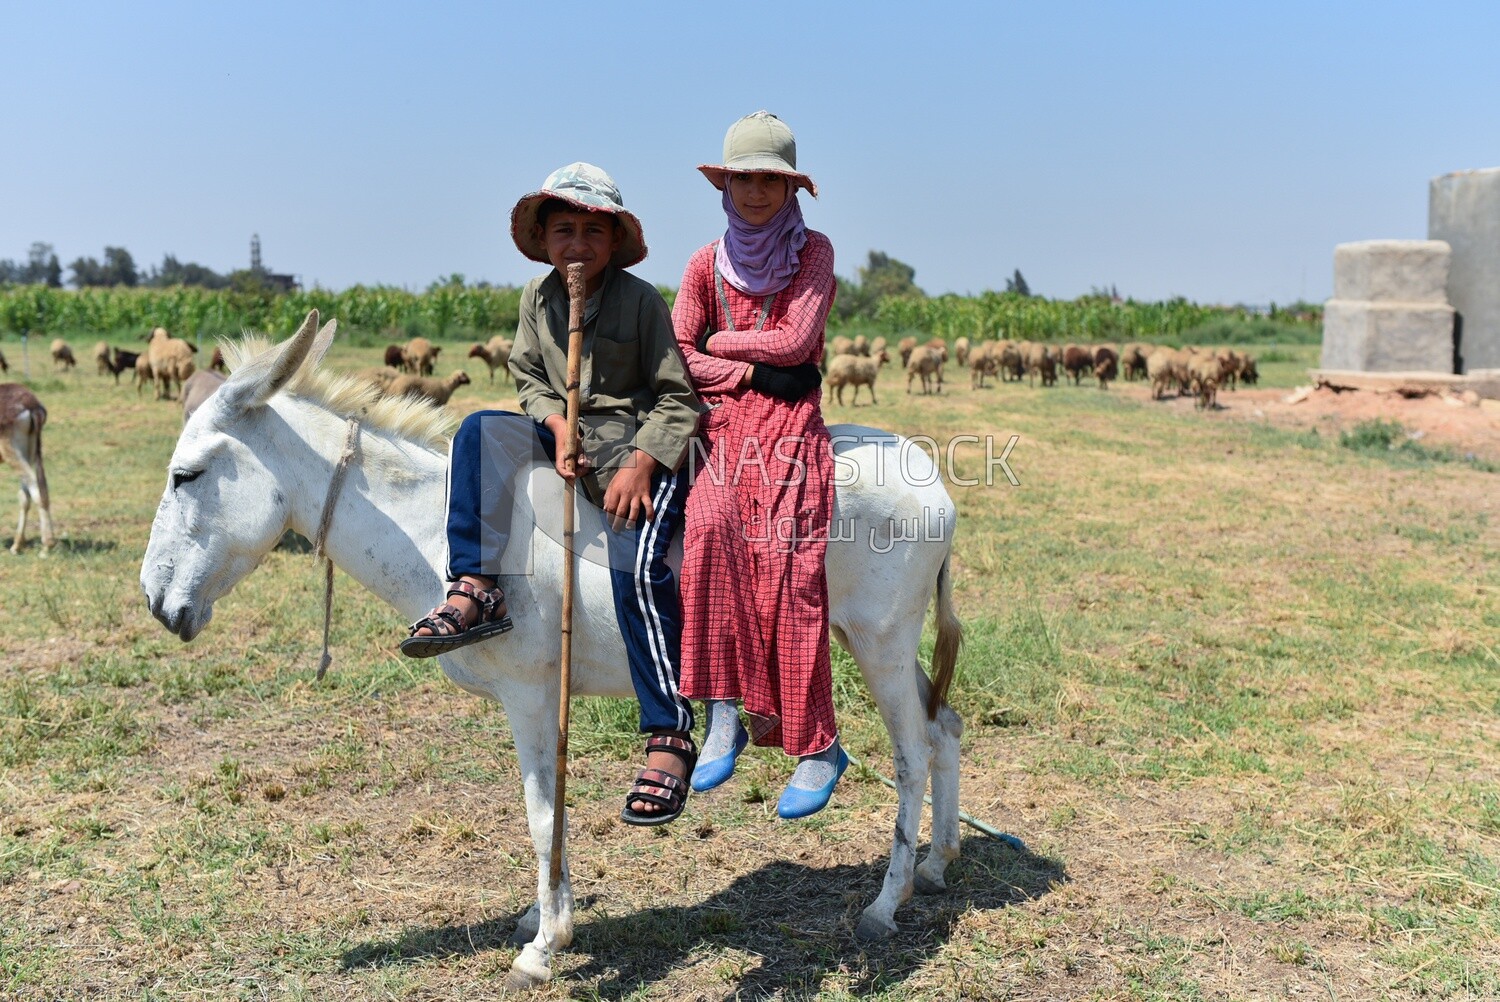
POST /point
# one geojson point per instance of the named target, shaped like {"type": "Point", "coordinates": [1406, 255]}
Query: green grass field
{"type": "Point", "coordinates": [1235, 686]}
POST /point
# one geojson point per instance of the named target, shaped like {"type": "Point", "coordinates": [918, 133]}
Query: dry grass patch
{"type": "Point", "coordinates": [1235, 688]}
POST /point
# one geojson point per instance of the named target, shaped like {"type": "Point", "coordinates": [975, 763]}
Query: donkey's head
{"type": "Point", "coordinates": [224, 507]}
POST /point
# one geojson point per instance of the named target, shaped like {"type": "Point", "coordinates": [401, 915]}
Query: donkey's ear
{"type": "Point", "coordinates": [257, 381]}
{"type": "Point", "coordinates": [321, 344]}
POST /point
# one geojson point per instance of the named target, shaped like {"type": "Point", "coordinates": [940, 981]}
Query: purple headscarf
{"type": "Point", "coordinates": [760, 260]}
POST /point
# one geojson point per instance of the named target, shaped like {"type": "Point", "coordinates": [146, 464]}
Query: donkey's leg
{"type": "Point", "coordinates": [24, 498]}
{"type": "Point", "coordinates": [944, 733]}
{"type": "Point", "coordinates": [893, 685]}
{"type": "Point", "coordinates": [44, 512]}
{"type": "Point", "coordinates": [38, 488]}
{"type": "Point", "coordinates": [533, 723]}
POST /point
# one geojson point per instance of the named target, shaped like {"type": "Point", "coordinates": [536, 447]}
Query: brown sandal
{"type": "Point", "coordinates": [447, 623]}
{"type": "Point", "coordinates": [661, 788]}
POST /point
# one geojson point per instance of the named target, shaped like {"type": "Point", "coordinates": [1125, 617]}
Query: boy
{"type": "Point", "coordinates": [638, 414]}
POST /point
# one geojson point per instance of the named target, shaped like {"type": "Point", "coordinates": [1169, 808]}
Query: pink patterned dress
{"type": "Point", "coordinates": [754, 590]}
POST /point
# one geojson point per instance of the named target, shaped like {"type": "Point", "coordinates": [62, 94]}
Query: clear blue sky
{"type": "Point", "coordinates": [1211, 150]}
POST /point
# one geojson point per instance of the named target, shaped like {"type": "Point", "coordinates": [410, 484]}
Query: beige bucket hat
{"type": "Point", "coordinates": [759, 143]}
{"type": "Point", "coordinates": [587, 187]}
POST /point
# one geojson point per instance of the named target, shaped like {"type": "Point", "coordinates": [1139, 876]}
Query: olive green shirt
{"type": "Point", "coordinates": [634, 387]}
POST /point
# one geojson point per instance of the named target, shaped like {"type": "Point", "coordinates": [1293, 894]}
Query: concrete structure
{"type": "Point", "coordinates": [1464, 210]}
{"type": "Point", "coordinates": [1392, 271]}
{"type": "Point", "coordinates": [1390, 310]}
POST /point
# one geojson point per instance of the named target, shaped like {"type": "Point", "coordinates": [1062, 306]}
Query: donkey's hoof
{"type": "Point", "coordinates": [926, 885]}
{"type": "Point", "coordinates": [872, 930]}
{"type": "Point", "coordinates": [523, 981]}
{"type": "Point", "coordinates": [531, 969]}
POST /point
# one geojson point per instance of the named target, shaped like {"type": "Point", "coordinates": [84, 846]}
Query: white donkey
{"type": "Point", "coordinates": [261, 454]}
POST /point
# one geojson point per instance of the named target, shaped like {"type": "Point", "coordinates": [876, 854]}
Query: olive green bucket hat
{"type": "Point", "coordinates": [759, 143]}
{"type": "Point", "coordinates": [589, 188]}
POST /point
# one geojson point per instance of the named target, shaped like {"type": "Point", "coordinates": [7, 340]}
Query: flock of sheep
{"type": "Point", "coordinates": [407, 371]}
{"type": "Point", "coordinates": [168, 363]}
{"type": "Point", "coordinates": [857, 361]}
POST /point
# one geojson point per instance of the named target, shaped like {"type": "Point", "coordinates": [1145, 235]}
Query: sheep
{"type": "Point", "coordinates": [143, 373]}
{"type": "Point", "coordinates": [877, 346]}
{"type": "Point", "coordinates": [394, 356]}
{"type": "Point", "coordinates": [925, 362]}
{"type": "Point", "coordinates": [198, 388]}
{"type": "Point", "coordinates": [170, 359]}
{"type": "Point", "coordinates": [1204, 372]}
{"type": "Point", "coordinates": [1237, 370]}
{"type": "Point", "coordinates": [176, 369]}
{"type": "Point", "coordinates": [1167, 366]}
{"type": "Point", "coordinates": [905, 346]}
{"type": "Point", "coordinates": [1133, 360]}
{"type": "Point", "coordinates": [1161, 369]}
{"type": "Point", "coordinates": [379, 376]}
{"type": "Point", "coordinates": [984, 360]}
{"type": "Point", "coordinates": [861, 346]}
{"type": "Point", "coordinates": [1229, 366]}
{"type": "Point", "coordinates": [1038, 360]}
{"type": "Point", "coordinates": [21, 419]}
{"type": "Point", "coordinates": [856, 371]}
{"type": "Point", "coordinates": [940, 346]}
{"type": "Point", "coordinates": [62, 355]}
{"type": "Point", "coordinates": [1248, 374]}
{"type": "Point", "coordinates": [1007, 356]}
{"type": "Point", "coordinates": [217, 363]}
{"type": "Point", "coordinates": [496, 354]}
{"type": "Point", "coordinates": [840, 346]}
{"type": "Point", "coordinates": [961, 351]}
{"type": "Point", "coordinates": [113, 360]}
{"type": "Point", "coordinates": [436, 390]}
{"type": "Point", "coordinates": [1076, 360]}
{"type": "Point", "coordinates": [419, 356]}
{"type": "Point", "coordinates": [122, 360]}
{"type": "Point", "coordinates": [1106, 365]}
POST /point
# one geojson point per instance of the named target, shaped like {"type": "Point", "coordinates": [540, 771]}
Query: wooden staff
{"type": "Point", "coordinates": [577, 298]}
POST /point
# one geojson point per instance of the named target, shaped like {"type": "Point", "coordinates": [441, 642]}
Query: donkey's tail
{"type": "Point", "coordinates": [34, 446]}
{"type": "Point", "coordinates": [950, 634]}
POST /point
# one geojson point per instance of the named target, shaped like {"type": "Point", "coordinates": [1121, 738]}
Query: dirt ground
{"type": "Point", "coordinates": [1466, 428]}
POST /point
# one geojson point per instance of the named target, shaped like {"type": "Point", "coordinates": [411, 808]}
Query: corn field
{"type": "Point", "coordinates": [450, 309]}
{"type": "Point", "coordinates": [187, 311]}
{"type": "Point", "coordinates": [1088, 318]}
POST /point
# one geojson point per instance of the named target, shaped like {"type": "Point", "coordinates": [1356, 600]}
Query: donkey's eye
{"type": "Point", "coordinates": [180, 477]}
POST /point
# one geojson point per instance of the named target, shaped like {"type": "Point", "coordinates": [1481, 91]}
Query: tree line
{"type": "Point", "coordinates": [118, 269]}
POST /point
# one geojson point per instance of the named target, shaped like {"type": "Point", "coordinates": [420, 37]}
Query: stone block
{"type": "Point", "coordinates": [1387, 337]}
{"type": "Point", "coordinates": [1464, 210]}
{"type": "Point", "coordinates": [1392, 271]}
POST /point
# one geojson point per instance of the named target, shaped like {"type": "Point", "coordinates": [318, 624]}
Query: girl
{"type": "Point", "coordinates": [750, 319]}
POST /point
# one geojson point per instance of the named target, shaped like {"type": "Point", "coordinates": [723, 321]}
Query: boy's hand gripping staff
{"type": "Point", "coordinates": [577, 298]}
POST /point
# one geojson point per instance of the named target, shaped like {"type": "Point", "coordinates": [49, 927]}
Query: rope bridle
{"type": "Point", "coordinates": [340, 468]}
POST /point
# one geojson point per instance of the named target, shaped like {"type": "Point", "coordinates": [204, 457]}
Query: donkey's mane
{"type": "Point", "coordinates": [408, 418]}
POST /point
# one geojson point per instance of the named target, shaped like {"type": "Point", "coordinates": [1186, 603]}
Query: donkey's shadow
{"type": "Point", "coordinates": [796, 922]}
{"type": "Point", "coordinates": [66, 545]}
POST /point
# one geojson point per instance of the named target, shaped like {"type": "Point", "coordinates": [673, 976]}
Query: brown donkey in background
{"type": "Point", "coordinates": [21, 419]}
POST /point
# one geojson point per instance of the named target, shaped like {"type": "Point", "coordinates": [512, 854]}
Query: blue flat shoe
{"type": "Point", "coordinates": [796, 802]}
{"type": "Point", "coordinates": [707, 775]}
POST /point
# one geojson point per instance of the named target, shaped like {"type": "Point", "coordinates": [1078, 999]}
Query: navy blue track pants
{"type": "Point", "coordinates": [488, 451]}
